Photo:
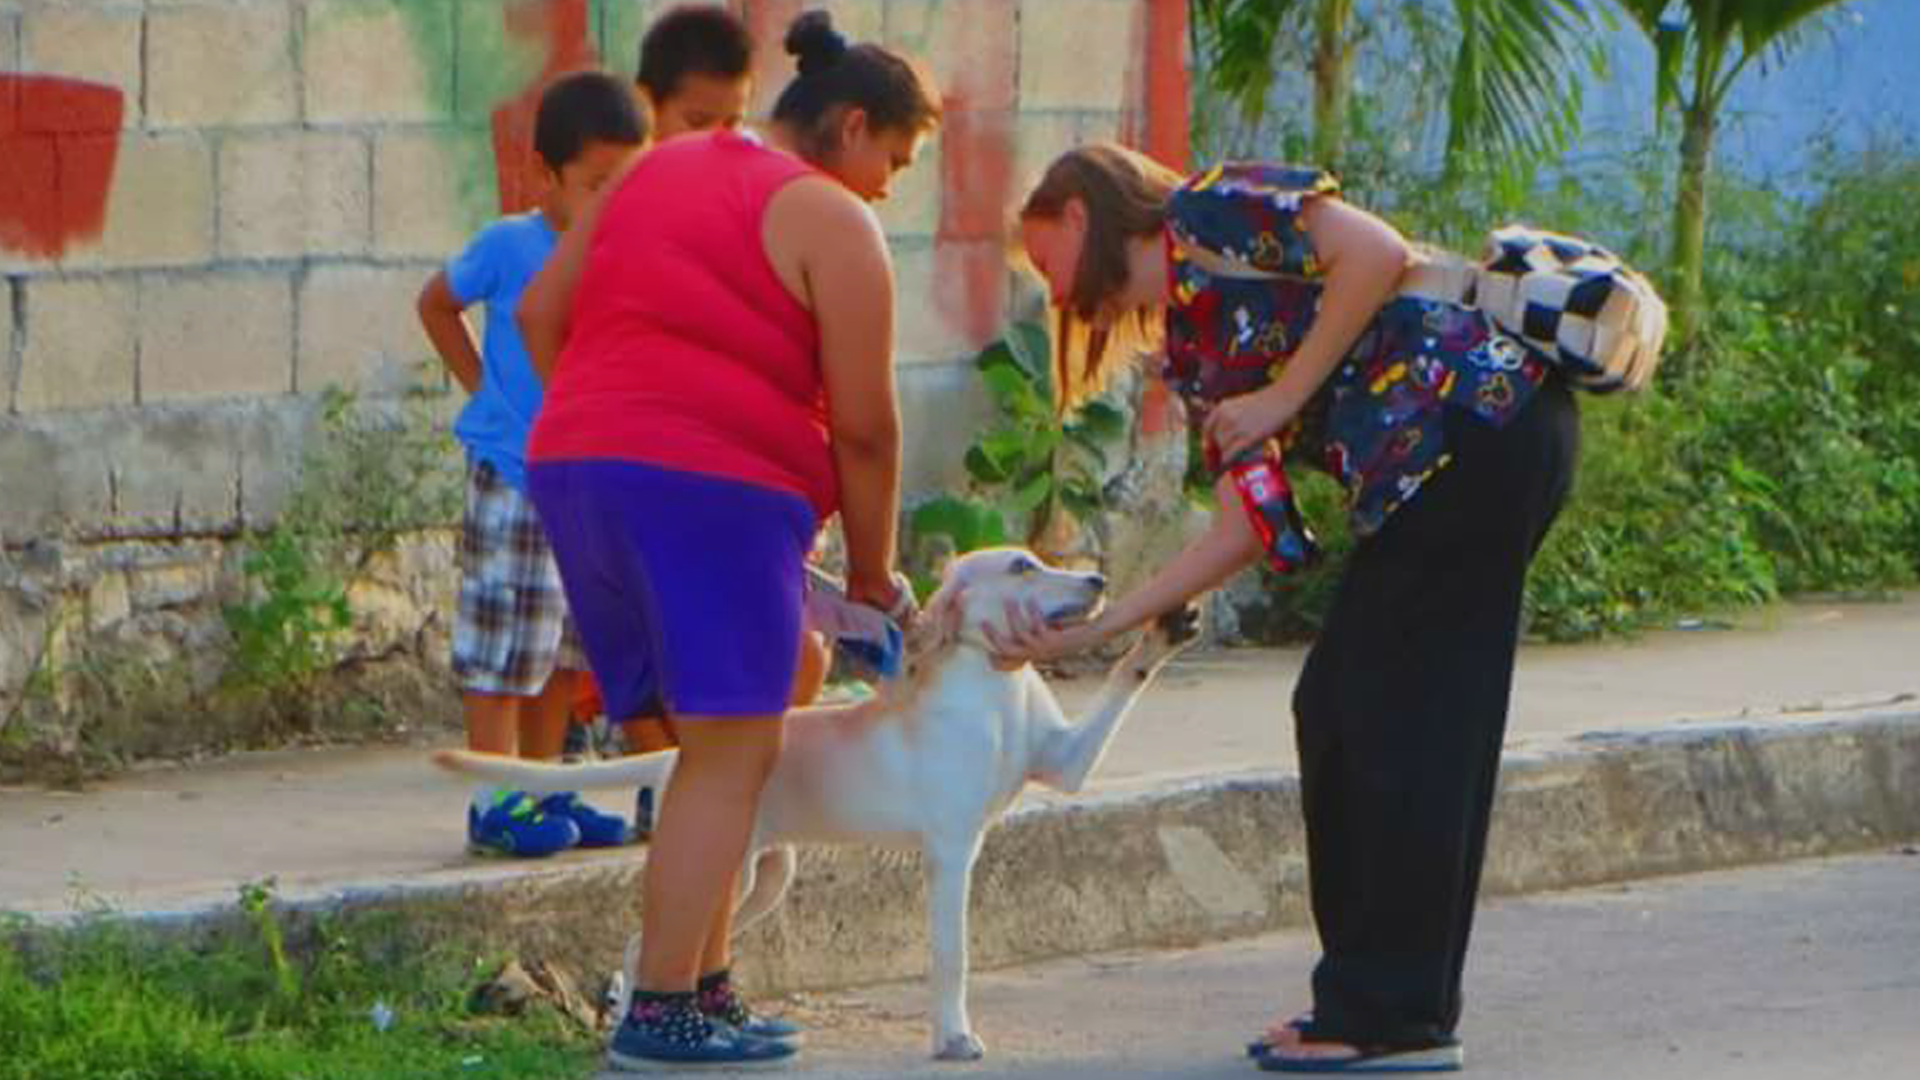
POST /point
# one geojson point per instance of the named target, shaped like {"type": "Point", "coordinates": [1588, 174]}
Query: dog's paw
{"type": "Point", "coordinates": [1165, 636]}
{"type": "Point", "coordinates": [962, 1047]}
{"type": "Point", "coordinates": [1179, 626]}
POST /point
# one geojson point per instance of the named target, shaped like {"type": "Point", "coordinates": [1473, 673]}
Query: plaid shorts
{"type": "Point", "coordinates": [512, 631]}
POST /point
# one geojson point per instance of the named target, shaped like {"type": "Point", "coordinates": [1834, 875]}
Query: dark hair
{"type": "Point", "coordinates": [692, 39]}
{"type": "Point", "coordinates": [581, 108]}
{"type": "Point", "coordinates": [1125, 194]}
{"type": "Point", "coordinates": [895, 95]}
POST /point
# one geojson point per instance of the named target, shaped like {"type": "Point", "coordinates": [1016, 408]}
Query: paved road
{"type": "Point", "coordinates": [1803, 971]}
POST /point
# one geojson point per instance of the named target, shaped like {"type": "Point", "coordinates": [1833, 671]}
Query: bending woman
{"type": "Point", "coordinates": [726, 384]}
{"type": "Point", "coordinates": [1295, 322]}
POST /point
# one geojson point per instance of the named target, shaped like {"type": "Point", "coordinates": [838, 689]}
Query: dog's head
{"type": "Point", "coordinates": [978, 587]}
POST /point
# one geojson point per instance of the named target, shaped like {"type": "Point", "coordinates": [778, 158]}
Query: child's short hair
{"type": "Point", "coordinates": [693, 39]}
{"type": "Point", "coordinates": [581, 108]}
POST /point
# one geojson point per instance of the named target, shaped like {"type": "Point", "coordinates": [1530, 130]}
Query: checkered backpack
{"type": "Point", "coordinates": [1575, 303]}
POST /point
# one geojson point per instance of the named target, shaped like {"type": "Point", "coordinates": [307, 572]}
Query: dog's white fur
{"type": "Point", "coordinates": [930, 763]}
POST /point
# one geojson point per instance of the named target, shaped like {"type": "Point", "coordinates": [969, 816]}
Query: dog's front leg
{"type": "Point", "coordinates": [949, 881]}
{"type": "Point", "coordinates": [1069, 754]}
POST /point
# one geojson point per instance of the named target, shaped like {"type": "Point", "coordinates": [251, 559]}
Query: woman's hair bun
{"type": "Point", "coordinates": [814, 41]}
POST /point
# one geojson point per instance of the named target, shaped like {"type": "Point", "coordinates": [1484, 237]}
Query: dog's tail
{"type": "Point", "coordinates": [519, 774]}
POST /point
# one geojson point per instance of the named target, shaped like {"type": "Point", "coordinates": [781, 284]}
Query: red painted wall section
{"type": "Point", "coordinates": [58, 141]}
{"type": "Point", "coordinates": [977, 173]}
{"type": "Point", "coordinates": [1156, 122]}
{"type": "Point", "coordinates": [1168, 90]}
{"type": "Point", "coordinates": [559, 28]}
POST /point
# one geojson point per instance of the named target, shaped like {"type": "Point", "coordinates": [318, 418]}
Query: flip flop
{"type": "Point", "coordinates": [1260, 1047]}
{"type": "Point", "coordinates": [1447, 1057]}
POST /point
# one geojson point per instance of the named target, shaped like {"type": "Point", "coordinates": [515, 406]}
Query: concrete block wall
{"type": "Point", "coordinates": [214, 207]}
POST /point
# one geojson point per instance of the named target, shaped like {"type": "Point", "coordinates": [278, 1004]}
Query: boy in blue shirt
{"type": "Point", "coordinates": [514, 648]}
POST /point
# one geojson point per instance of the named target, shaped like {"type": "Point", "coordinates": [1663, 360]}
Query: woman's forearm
{"type": "Point", "coordinates": [869, 473]}
{"type": "Point", "coordinates": [1228, 546]}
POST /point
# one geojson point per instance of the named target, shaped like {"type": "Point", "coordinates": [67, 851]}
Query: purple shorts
{"type": "Point", "coordinates": [686, 588]}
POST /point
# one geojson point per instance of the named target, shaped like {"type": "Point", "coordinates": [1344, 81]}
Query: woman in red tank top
{"type": "Point", "coordinates": [716, 335]}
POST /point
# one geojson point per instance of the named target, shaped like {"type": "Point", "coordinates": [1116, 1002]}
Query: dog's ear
{"type": "Point", "coordinates": [938, 627]}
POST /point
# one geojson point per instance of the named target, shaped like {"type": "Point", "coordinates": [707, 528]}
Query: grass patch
{"type": "Point", "coordinates": [107, 1002]}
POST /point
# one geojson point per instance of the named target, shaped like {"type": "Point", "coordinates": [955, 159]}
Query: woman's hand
{"type": "Point", "coordinates": [893, 598]}
{"type": "Point", "coordinates": [1030, 639]}
{"type": "Point", "coordinates": [1241, 423]}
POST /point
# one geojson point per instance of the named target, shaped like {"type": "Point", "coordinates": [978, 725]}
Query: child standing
{"type": "Point", "coordinates": [514, 647]}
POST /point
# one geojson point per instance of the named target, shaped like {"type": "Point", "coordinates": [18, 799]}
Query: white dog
{"type": "Point", "coordinates": [931, 762]}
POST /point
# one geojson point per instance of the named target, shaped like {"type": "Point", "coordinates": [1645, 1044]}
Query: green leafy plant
{"type": "Point", "coordinates": [1030, 464]}
{"type": "Point", "coordinates": [374, 471]}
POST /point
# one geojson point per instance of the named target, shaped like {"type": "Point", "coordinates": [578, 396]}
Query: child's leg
{"type": "Point", "coordinates": [543, 718]}
{"type": "Point", "coordinates": [814, 660]}
{"type": "Point", "coordinates": [493, 722]}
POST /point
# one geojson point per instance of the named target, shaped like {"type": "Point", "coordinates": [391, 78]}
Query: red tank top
{"type": "Point", "coordinates": [685, 350]}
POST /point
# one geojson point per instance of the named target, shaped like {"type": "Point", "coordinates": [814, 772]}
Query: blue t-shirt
{"type": "Point", "coordinates": [495, 269]}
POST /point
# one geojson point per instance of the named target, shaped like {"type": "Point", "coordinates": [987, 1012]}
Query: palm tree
{"type": "Point", "coordinates": [1515, 83]}
{"type": "Point", "coordinates": [1701, 49]}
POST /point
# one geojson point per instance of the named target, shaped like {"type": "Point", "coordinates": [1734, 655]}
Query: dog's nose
{"type": "Point", "coordinates": [1098, 581]}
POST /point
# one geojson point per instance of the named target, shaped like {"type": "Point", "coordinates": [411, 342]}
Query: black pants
{"type": "Point", "coordinates": [1400, 714]}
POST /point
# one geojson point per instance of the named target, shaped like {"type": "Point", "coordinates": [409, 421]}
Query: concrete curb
{"type": "Point", "coordinates": [1202, 860]}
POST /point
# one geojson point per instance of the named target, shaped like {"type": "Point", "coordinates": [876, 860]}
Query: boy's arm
{"type": "Point", "coordinates": [442, 317]}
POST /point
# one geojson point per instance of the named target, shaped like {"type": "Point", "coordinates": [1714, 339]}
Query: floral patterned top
{"type": "Point", "coordinates": [1376, 424]}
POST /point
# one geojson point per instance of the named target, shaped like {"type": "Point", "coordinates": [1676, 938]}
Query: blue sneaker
{"type": "Point", "coordinates": [597, 829]}
{"type": "Point", "coordinates": [514, 825]}
{"type": "Point", "coordinates": [720, 1004]}
{"type": "Point", "coordinates": [669, 1033]}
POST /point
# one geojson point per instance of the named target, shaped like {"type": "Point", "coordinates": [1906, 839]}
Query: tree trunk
{"type": "Point", "coordinates": [1332, 79]}
{"type": "Point", "coordinates": [1690, 218]}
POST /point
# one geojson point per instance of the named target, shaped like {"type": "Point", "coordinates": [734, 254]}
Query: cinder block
{"type": "Point", "coordinates": [501, 52]}
{"type": "Point", "coordinates": [285, 194]}
{"type": "Point", "coordinates": [215, 335]}
{"type": "Point", "coordinates": [971, 47]}
{"type": "Point", "coordinates": [95, 42]}
{"type": "Point", "coordinates": [859, 20]}
{"type": "Point", "coordinates": [80, 344]}
{"type": "Point", "coordinates": [943, 407]}
{"type": "Point", "coordinates": [175, 469]}
{"type": "Point", "coordinates": [213, 64]}
{"type": "Point", "coordinates": [49, 485]}
{"type": "Point", "coordinates": [622, 26]}
{"type": "Point", "coordinates": [1079, 54]}
{"type": "Point", "coordinates": [273, 434]}
{"type": "Point", "coordinates": [160, 211]}
{"type": "Point", "coordinates": [1037, 140]}
{"type": "Point", "coordinates": [950, 299]}
{"type": "Point", "coordinates": [426, 202]}
{"type": "Point", "coordinates": [913, 207]}
{"type": "Point", "coordinates": [378, 60]}
{"type": "Point", "coordinates": [358, 329]}
{"type": "Point", "coordinates": [9, 41]}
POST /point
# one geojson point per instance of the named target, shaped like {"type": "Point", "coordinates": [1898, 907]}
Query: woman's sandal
{"type": "Point", "coordinates": [1442, 1057]}
{"type": "Point", "coordinates": [1260, 1047]}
